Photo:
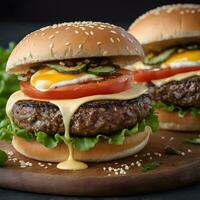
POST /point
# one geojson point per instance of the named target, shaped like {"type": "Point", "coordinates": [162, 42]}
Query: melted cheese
{"type": "Point", "coordinates": [177, 77]}
{"type": "Point", "coordinates": [46, 78]}
{"type": "Point", "coordinates": [68, 108]}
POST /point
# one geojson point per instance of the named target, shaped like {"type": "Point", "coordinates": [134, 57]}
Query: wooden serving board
{"type": "Point", "coordinates": [174, 171]}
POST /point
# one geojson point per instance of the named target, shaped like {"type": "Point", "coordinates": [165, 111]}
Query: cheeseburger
{"type": "Point", "coordinates": [170, 36]}
{"type": "Point", "coordinates": [77, 102]}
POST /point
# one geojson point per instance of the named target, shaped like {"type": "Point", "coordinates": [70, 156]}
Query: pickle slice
{"type": "Point", "coordinates": [68, 70]}
{"type": "Point", "coordinates": [102, 70]}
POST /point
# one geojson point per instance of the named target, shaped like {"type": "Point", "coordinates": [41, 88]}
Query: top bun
{"type": "Point", "coordinates": [73, 40]}
{"type": "Point", "coordinates": [167, 25]}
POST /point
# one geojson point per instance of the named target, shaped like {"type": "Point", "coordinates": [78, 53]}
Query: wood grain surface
{"type": "Point", "coordinates": [97, 180]}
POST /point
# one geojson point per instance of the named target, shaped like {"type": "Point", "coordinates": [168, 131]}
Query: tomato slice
{"type": "Point", "coordinates": [116, 84]}
{"type": "Point", "coordinates": [154, 74]}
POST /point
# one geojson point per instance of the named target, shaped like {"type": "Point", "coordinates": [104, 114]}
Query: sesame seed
{"type": "Point", "coordinates": [80, 46]}
{"type": "Point", "coordinates": [162, 137]}
{"type": "Point", "coordinates": [150, 158]}
{"type": "Point", "coordinates": [104, 168]}
{"type": "Point", "coordinates": [101, 28]}
{"type": "Point", "coordinates": [148, 154]}
{"type": "Point", "coordinates": [82, 28]}
{"type": "Point", "coordinates": [171, 138]}
{"type": "Point", "coordinates": [113, 32]}
{"type": "Point", "coordinates": [76, 32]}
{"type": "Point", "coordinates": [182, 12]}
{"type": "Point", "coordinates": [189, 150]}
{"type": "Point", "coordinates": [112, 40]}
{"type": "Point", "coordinates": [98, 43]}
{"type": "Point", "coordinates": [118, 39]}
{"type": "Point", "coordinates": [51, 36]}
{"type": "Point", "coordinates": [87, 33]}
{"type": "Point", "coordinates": [57, 32]}
{"type": "Point", "coordinates": [127, 167]}
{"type": "Point", "coordinates": [109, 174]}
{"type": "Point", "coordinates": [135, 155]}
{"type": "Point", "coordinates": [105, 53]}
{"type": "Point", "coordinates": [91, 32]}
{"type": "Point", "coordinates": [51, 45]}
{"type": "Point", "coordinates": [43, 34]}
{"type": "Point", "coordinates": [66, 28]}
{"type": "Point", "coordinates": [183, 153]}
{"type": "Point", "coordinates": [116, 173]}
{"type": "Point", "coordinates": [67, 43]}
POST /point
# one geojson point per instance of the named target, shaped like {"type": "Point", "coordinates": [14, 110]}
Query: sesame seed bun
{"type": "Point", "coordinates": [73, 40]}
{"type": "Point", "coordinates": [171, 121]}
{"type": "Point", "coordinates": [101, 152]}
{"type": "Point", "coordinates": [167, 25]}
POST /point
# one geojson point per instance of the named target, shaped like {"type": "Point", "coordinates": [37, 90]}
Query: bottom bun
{"type": "Point", "coordinates": [101, 152]}
{"type": "Point", "coordinates": [171, 121]}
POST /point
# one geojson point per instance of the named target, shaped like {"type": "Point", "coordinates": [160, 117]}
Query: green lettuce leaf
{"type": "Point", "coordinates": [8, 83]}
{"type": "Point", "coordinates": [172, 108]}
{"type": "Point", "coordinates": [8, 130]}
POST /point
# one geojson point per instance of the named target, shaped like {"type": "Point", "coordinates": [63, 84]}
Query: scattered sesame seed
{"type": "Point", "coordinates": [116, 173]}
{"type": "Point", "coordinates": [87, 33]}
{"type": "Point", "coordinates": [127, 167]}
{"type": "Point", "coordinates": [57, 32]}
{"type": "Point", "coordinates": [183, 153]}
{"type": "Point", "coordinates": [135, 155]}
{"type": "Point", "coordinates": [76, 32]}
{"type": "Point", "coordinates": [148, 154]}
{"type": "Point", "coordinates": [189, 150]}
{"type": "Point", "coordinates": [162, 137]}
{"type": "Point", "coordinates": [104, 168]}
{"type": "Point", "coordinates": [171, 138]}
{"type": "Point", "coordinates": [150, 158]}
{"type": "Point", "coordinates": [109, 174]}
{"type": "Point", "coordinates": [91, 32]}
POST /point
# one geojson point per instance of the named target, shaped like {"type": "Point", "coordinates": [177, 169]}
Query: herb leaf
{"type": "Point", "coordinates": [172, 151]}
{"type": "Point", "coordinates": [150, 166]}
{"type": "Point", "coordinates": [192, 140]}
{"type": "Point", "coordinates": [3, 158]}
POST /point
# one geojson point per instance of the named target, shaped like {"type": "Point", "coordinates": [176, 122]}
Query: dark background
{"type": "Point", "coordinates": [19, 17]}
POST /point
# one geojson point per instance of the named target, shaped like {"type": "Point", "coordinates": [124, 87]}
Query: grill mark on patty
{"type": "Point", "coordinates": [92, 118]}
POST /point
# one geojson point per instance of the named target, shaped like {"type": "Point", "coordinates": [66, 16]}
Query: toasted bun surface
{"type": "Point", "coordinates": [73, 40]}
{"type": "Point", "coordinates": [171, 121]}
{"type": "Point", "coordinates": [167, 25]}
{"type": "Point", "coordinates": [101, 152]}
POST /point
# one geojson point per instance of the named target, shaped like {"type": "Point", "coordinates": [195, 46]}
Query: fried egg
{"type": "Point", "coordinates": [186, 59]}
{"type": "Point", "coordinates": [47, 78]}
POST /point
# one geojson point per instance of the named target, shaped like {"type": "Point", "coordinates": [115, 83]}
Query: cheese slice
{"type": "Point", "coordinates": [68, 107]}
{"type": "Point", "coordinates": [177, 77]}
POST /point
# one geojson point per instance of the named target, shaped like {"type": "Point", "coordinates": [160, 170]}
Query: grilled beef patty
{"type": "Point", "coordinates": [92, 118]}
{"type": "Point", "coordinates": [184, 93]}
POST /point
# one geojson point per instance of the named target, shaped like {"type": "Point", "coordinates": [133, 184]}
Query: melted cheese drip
{"type": "Point", "coordinates": [68, 107]}
{"type": "Point", "coordinates": [177, 77]}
